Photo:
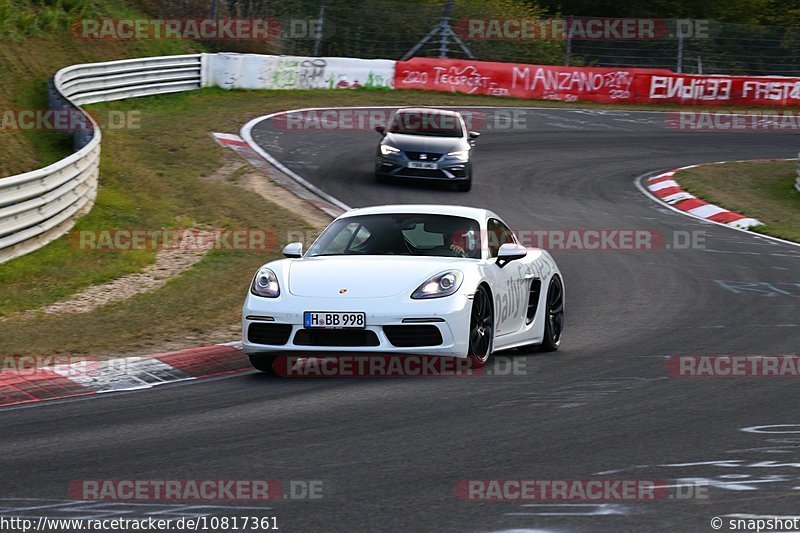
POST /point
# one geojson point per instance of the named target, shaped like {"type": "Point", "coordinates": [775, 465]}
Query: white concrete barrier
{"type": "Point", "coordinates": [255, 71]}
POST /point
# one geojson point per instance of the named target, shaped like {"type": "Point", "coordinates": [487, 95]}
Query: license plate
{"type": "Point", "coordinates": [334, 320]}
{"type": "Point", "coordinates": [419, 164]}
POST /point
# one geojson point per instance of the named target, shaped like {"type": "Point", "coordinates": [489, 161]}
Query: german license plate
{"type": "Point", "coordinates": [334, 320]}
{"type": "Point", "coordinates": [419, 164]}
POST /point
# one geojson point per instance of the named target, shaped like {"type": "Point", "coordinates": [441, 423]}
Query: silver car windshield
{"type": "Point", "coordinates": [400, 234]}
{"type": "Point", "coordinates": [436, 124]}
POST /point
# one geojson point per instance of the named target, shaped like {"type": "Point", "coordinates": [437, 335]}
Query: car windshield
{"type": "Point", "coordinates": [400, 234]}
{"type": "Point", "coordinates": [426, 123]}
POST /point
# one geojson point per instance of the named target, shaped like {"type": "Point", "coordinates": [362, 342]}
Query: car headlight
{"type": "Point", "coordinates": [442, 284]}
{"type": "Point", "coordinates": [265, 284]}
{"type": "Point", "coordinates": [461, 155]}
{"type": "Point", "coordinates": [386, 149]}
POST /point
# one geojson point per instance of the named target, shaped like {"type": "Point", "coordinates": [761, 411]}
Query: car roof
{"type": "Point", "coordinates": [429, 110]}
{"type": "Point", "coordinates": [431, 209]}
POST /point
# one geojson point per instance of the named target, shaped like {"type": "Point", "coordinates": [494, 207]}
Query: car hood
{"type": "Point", "coordinates": [422, 143]}
{"type": "Point", "coordinates": [363, 276]}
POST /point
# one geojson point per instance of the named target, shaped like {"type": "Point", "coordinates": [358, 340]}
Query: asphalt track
{"type": "Point", "coordinates": [390, 451]}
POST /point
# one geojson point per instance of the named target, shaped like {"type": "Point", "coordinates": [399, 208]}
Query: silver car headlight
{"type": "Point", "coordinates": [461, 155]}
{"type": "Point", "coordinates": [440, 285]}
{"type": "Point", "coordinates": [265, 284]}
{"type": "Point", "coordinates": [386, 149]}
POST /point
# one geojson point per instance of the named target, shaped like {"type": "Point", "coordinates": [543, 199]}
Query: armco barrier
{"type": "Point", "coordinates": [39, 206]}
{"type": "Point", "coordinates": [115, 80]}
{"type": "Point", "coordinates": [596, 84]}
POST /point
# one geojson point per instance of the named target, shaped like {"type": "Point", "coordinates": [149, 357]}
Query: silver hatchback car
{"type": "Point", "coordinates": [427, 144]}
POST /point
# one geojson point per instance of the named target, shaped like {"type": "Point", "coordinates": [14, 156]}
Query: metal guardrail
{"type": "Point", "coordinates": [129, 78]}
{"type": "Point", "coordinates": [39, 206]}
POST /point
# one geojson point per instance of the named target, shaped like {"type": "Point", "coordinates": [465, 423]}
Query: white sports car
{"type": "Point", "coordinates": [405, 279]}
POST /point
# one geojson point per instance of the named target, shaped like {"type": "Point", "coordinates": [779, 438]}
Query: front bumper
{"type": "Point", "coordinates": [450, 315]}
{"type": "Point", "coordinates": [447, 169]}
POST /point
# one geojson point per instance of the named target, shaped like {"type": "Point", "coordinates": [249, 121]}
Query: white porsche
{"type": "Point", "coordinates": [405, 279]}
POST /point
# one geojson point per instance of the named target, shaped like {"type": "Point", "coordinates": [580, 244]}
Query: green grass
{"type": "Point", "coordinates": [151, 178]}
{"type": "Point", "coordinates": [205, 298]}
{"type": "Point", "coordinates": [35, 42]}
{"type": "Point", "coordinates": [23, 18]}
{"type": "Point", "coordinates": [49, 146]}
{"type": "Point", "coordinates": [759, 189]}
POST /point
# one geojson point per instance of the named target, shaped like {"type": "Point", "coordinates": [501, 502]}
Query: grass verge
{"type": "Point", "coordinates": [34, 43]}
{"type": "Point", "coordinates": [759, 189]}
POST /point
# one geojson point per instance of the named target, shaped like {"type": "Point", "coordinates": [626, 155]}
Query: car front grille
{"type": "Point", "coordinates": [417, 156]}
{"type": "Point", "coordinates": [422, 173]}
{"type": "Point", "coordinates": [336, 337]}
{"type": "Point", "coordinates": [413, 335]}
{"type": "Point", "coordinates": [272, 334]}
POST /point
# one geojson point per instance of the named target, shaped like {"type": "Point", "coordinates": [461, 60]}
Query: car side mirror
{"type": "Point", "coordinates": [473, 135]}
{"type": "Point", "coordinates": [381, 130]}
{"type": "Point", "coordinates": [293, 250]}
{"type": "Point", "coordinates": [510, 251]}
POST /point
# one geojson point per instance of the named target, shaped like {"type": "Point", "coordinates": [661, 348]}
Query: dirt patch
{"type": "Point", "coordinates": [172, 262]}
{"type": "Point", "coordinates": [239, 172]}
{"type": "Point", "coordinates": [169, 263]}
{"type": "Point", "coordinates": [234, 170]}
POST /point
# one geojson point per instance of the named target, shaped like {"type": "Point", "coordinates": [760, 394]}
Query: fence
{"type": "Point", "coordinates": [717, 48]}
{"type": "Point", "coordinates": [391, 28]}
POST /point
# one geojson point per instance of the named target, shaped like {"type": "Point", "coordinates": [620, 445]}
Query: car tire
{"type": "Point", "coordinates": [262, 361]}
{"type": "Point", "coordinates": [554, 316]}
{"type": "Point", "coordinates": [465, 185]}
{"type": "Point", "coordinates": [481, 329]}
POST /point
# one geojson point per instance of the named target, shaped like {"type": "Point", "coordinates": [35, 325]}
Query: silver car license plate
{"type": "Point", "coordinates": [334, 320]}
{"type": "Point", "coordinates": [420, 164]}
